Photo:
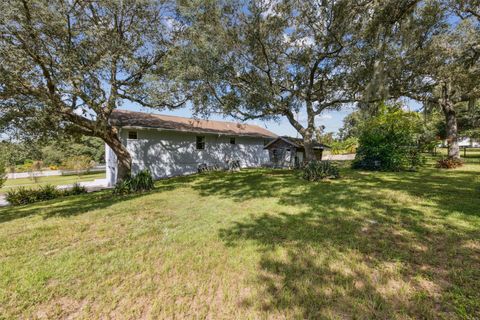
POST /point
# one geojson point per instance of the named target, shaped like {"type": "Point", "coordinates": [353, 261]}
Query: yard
{"type": "Point", "coordinates": [254, 244]}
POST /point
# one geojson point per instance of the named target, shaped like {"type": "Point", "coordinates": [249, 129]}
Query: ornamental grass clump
{"type": "Point", "coordinates": [141, 182]}
{"type": "Point", "coordinates": [319, 170]}
{"type": "Point", "coordinates": [22, 195]}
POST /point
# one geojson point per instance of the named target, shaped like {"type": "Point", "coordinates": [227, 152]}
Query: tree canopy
{"type": "Point", "coordinates": [271, 59]}
{"type": "Point", "coordinates": [66, 65]}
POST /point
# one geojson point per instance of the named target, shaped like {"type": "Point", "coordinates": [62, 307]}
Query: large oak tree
{"type": "Point", "coordinates": [435, 60]}
{"type": "Point", "coordinates": [66, 65]}
{"type": "Point", "coordinates": [278, 58]}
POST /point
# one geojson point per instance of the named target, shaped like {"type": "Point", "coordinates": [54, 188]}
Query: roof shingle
{"type": "Point", "coordinates": [124, 118]}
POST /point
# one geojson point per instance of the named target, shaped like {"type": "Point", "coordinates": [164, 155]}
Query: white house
{"type": "Point", "coordinates": [170, 146]}
{"type": "Point", "coordinates": [468, 142]}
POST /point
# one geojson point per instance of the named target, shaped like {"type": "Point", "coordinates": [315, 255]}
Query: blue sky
{"type": "Point", "coordinates": [332, 120]}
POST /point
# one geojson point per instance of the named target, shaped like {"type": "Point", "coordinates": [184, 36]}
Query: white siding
{"type": "Point", "coordinates": [468, 142]}
{"type": "Point", "coordinates": [169, 153]}
{"type": "Point", "coordinates": [110, 165]}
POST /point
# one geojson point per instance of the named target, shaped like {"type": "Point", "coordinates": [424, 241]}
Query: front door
{"type": "Point", "coordinates": [299, 158]}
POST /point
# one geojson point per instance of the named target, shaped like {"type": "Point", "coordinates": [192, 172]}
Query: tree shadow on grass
{"type": "Point", "coordinates": [338, 266]}
{"type": "Point", "coordinates": [65, 206]}
{"type": "Point", "coordinates": [370, 246]}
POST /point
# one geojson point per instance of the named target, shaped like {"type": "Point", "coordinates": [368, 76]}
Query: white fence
{"type": "Point", "coordinates": [48, 173]}
{"type": "Point", "coordinates": [339, 157]}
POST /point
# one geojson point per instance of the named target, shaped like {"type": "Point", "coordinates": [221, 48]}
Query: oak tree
{"type": "Point", "coordinates": [66, 65]}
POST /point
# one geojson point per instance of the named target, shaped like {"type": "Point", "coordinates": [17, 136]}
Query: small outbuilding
{"type": "Point", "coordinates": [288, 152]}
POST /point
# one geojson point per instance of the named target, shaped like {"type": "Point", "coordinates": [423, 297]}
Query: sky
{"type": "Point", "coordinates": [332, 120]}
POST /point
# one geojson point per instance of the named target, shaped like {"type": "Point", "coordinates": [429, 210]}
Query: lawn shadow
{"type": "Point", "coordinates": [66, 206]}
{"type": "Point", "coordinates": [356, 250]}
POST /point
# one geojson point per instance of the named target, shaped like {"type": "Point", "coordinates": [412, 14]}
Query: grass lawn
{"type": "Point", "coordinates": [55, 180]}
{"type": "Point", "coordinates": [251, 245]}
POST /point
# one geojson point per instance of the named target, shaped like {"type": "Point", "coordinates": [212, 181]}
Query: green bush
{"type": "Point", "coordinates": [77, 188]}
{"type": "Point", "coordinates": [390, 141]}
{"type": "Point", "coordinates": [22, 195]}
{"type": "Point", "coordinates": [141, 182]}
{"type": "Point", "coordinates": [19, 196]}
{"type": "Point", "coordinates": [47, 192]}
{"type": "Point", "coordinates": [319, 170]}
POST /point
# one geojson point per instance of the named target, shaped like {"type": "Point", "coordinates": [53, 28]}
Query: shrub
{"type": "Point", "coordinates": [389, 141]}
{"type": "Point", "coordinates": [141, 182]}
{"type": "Point", "coordinates": [46, 192]}
{"type": "Point", "coordinates": [77, 188]}
{"type": "Point", "coordinates": [22, 195]}
{"type": "Point", "coordinates": [449, 163]}
{"type": "Point", "coordinates": [318, 170]}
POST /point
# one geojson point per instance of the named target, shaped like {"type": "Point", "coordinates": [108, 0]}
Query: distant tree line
{"type": "Point", "coordinates": [23, 155]}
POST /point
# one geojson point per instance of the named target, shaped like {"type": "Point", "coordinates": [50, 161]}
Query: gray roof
{"type": "Point", "coordinates": [297, 143]}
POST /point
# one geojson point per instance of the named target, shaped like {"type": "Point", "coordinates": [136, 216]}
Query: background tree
{"type": "Point", "coordinates": [66, 65]}
{"type": "Point", "coordinates": [352, 123]}
{"type": "Point", "coordinates": [58, 151]}
{"type": "Point", "coordinates": [390, 140]}
{"type": "Point", "coordinates": [79, 164]}
{"type": "Point", "coordinates": [271, 59]}
{"type": "Point", "coordinates": [435, 59]}
{"type": "Point", "coordinates": [17, 153]}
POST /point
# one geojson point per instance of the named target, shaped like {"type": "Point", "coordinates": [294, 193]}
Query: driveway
{"type": "Point", "coordinates": [3, 202]}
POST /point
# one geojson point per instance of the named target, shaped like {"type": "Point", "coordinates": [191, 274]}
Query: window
{"type": "Point", "coordinates": [200, 142]}
{"type": "Point", "coordinates": [132, 135]}
{"type": "Point", "coordinates": [232, 140]}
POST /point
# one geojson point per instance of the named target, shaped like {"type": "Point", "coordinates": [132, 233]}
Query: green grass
{"type": "Point", "coordinates": [54, 180]}
{"type": "Point", "coordinates": [251, 245]}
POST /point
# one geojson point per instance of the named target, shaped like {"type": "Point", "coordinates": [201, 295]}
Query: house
{"type": "Point", "coordinates": [288, 152]}
{"type": "Point", "coordinates": [170, 146]}
{"type": "Point", "coordinates": [466, 142]}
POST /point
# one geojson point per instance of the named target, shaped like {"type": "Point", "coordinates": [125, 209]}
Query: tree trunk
{"type": "Point", "coordinates": [451, 128]}
{"type": "Point", "coordinates": [308, 145]}
{"type": "Point", "coordinates": [124, 160]}
{"type": "Point", "coordinates": [450, 122]}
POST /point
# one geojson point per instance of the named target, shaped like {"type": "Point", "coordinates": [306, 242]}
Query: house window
{"type": "Point", "coordinates": [232, 140]}
{"type": "Point", "coordinates": [132, 135]}
{"type": "Point", "coordinates": [200, 142]}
